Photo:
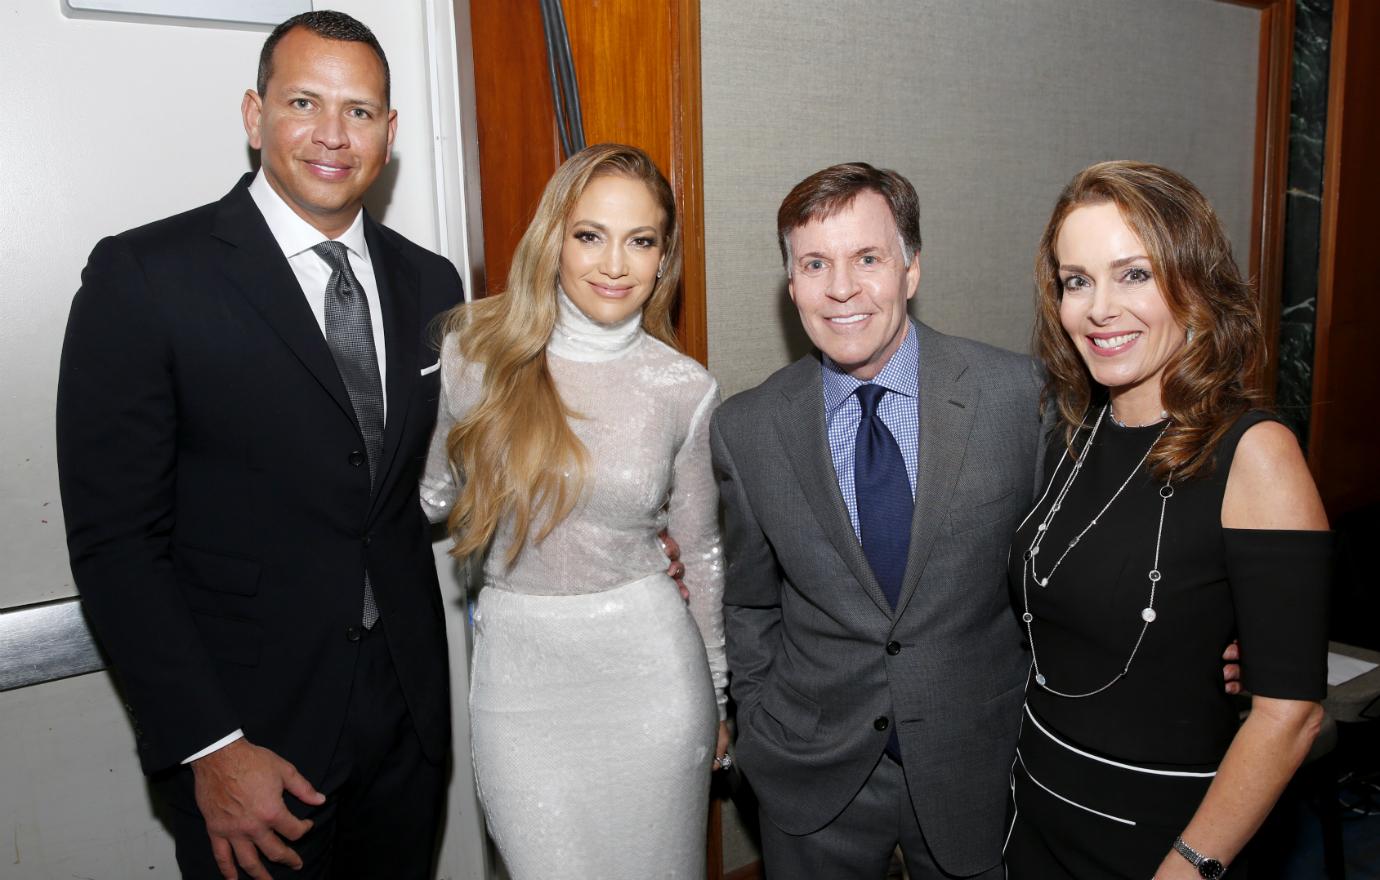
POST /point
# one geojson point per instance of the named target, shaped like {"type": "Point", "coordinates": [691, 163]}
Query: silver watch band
{"type": "Point", "coordinates": [1188, 852]}
{"type": "Point", "coordinates": [1207, 866]}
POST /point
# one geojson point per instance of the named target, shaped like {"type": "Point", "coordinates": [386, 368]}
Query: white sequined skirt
{"type": "Point", "coordinates": [594, 725]}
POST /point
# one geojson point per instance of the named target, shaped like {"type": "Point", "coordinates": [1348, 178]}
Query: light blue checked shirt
{"type": "Point", "coordinates": [900, 412]}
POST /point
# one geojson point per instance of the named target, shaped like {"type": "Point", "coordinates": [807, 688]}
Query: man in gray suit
{"type": "Point", "coordinates": [871, 490]}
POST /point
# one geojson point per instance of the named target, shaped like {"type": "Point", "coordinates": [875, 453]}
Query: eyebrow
{"type": "Point", "coordinates": [353, 102]}
{"type": "Point", "coordinates": [860, 252]}
{"type": "Point", "coordinates": [602, 228]}
{"type": "Point", "coordinates": [1114, 264]}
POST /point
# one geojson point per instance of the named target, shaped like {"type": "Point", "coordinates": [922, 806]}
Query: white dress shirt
{"type": "Point", "coordinates": [297, 237]}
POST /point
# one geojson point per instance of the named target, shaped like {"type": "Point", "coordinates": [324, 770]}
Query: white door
{"type": "Point", "coordinates": [111, 124]}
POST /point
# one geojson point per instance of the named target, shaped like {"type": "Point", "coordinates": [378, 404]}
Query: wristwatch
{"type": "Point", "coordinates": [1209, 869]}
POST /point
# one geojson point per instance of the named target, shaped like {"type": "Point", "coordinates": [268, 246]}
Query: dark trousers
{"type": "Point", "coordinates": [383, 797]}
{"type": "Point", "coordinates": [859, 842]}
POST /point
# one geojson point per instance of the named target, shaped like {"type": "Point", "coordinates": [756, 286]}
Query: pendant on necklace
{"type": "Point", "coordinates": [1039, 679]}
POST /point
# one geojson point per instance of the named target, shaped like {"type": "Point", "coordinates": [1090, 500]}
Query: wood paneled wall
{"type": "Point", "coordinates": [1346, 393]}
{"type": "Point", "coordinates": [1271, 170]}
{"type": "Point", "coordinates": [637, 65]}
{"type": "Point", "coordinates": [518, 149]}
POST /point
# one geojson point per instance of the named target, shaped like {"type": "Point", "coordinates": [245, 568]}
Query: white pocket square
{"type": "Point", "coordinates": [431, 369]}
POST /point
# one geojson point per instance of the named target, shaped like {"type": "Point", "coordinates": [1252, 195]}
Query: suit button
{"type": "Point", "coordinates": [356, 458]}
{"type": "Point", "coordinates": [893, 648]}
{"type": "Point", "coordinates": [352, 634]}
{"type": "Point", "coordinates": [367, 540]}
{"type": "Point", "coordinates": [881, 723]}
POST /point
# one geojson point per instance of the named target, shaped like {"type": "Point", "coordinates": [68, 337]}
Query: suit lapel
{"type": "Point", "coordinates": [800, 426]}
{"type": "Point", "coordinates": [398, 295]}
{"type": "Point", "coordinates": [256, 267]}
{"type": "Point", "coordinates": [947, 404]}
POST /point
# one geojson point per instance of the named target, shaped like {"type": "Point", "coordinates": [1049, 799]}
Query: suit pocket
{"type": "Point", "coordinates": [995, 510]}
{"type": "Point", "coordinates": [790, 708]}
{"type": "Point", "coordinates": [218, 573]}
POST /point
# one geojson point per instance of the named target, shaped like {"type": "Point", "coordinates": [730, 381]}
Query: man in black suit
{"type": "Point", "coordinates": [246, 394]}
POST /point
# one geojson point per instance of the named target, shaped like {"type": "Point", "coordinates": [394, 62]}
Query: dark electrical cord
{"type": "Point", "coordinates": [565, 92]}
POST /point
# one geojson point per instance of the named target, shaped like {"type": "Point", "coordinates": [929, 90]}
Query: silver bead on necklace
{"type": "Point", "coordinates": [1028, 572]}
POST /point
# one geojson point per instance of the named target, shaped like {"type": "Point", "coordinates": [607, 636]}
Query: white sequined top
{"type": "Point", "coordinates": [644, 422]}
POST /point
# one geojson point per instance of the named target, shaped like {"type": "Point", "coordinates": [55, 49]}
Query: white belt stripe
{"type": "Point", "coordinates": [1066, 800]}
{"type": "Point", "coordinates": [1077, 751]}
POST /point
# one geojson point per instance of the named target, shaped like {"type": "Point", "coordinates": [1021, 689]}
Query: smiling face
{"type": "Point", "coordinates": [324, 129]}
{"type": "Point", "coordinates": [850, 283]}
{"type": "Point", "coordinates": [612, 248]}
{"type": "Point", "coordinates": [1114, 311]}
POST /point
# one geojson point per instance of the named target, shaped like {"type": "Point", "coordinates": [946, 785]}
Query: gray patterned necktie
{"type": "Point", "coordinates": [351, 339]}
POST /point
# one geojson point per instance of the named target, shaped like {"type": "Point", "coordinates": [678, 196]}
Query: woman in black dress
{"type": "Point", "coordinates": [1176, 517]}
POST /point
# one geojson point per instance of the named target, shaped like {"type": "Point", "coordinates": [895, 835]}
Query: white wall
{"type": "Point", "coordinates": [111, 125]}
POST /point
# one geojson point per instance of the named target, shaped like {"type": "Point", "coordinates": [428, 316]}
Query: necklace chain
{"type": "Point", "coordinates": [1111, 414]}
{"type": "Point", "coordinates": [1028, 572]}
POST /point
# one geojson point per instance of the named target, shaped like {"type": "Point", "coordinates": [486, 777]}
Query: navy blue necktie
{"type": "Point", "coordinates": [882, 489]}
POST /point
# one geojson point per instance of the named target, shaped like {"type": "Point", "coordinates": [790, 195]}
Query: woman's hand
{"type": "Point", "coordinates": [1231, 668]}
{"type": "Point", "coordinates": [676, 568]}
{"type": "Point", "coordinates": [721, 759]}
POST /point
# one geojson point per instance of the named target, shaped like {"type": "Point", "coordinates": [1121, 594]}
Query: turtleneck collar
{"type": "Point", "coordinates": [578, 337]}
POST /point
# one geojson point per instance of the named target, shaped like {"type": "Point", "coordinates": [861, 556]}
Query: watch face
{"type": "Point", "coordinates": [1211, 869]}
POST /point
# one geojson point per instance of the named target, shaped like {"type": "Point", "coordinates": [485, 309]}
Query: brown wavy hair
{"type": "Point", "coordinates": [515, 450]}
{"type": "Point", "coordinates": [1214, 378]}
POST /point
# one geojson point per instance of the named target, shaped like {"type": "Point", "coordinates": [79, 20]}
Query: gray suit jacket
{"type": "Point", "coordinates": [817, 655]}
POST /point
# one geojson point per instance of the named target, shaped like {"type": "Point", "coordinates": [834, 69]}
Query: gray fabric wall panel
{"type": "Point", "coordinates": [988, 106]}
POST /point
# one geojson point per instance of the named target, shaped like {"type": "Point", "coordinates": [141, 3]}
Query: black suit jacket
{"type": "Point", "coordinates": [219, 515]}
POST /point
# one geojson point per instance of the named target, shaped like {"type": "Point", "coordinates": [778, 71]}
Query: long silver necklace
{"type": "Point", "coordinates": [1028, 572]}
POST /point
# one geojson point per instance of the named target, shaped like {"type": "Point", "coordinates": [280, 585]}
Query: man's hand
{"type": "Point", "coordinates": [239, 790]}
{"type": "Point", "coordinates": [676, 570]}
{"type": "Point", "coordinates": [1231, 669]}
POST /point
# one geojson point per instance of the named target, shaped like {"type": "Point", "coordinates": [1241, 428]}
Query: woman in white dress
{"type": "Point", "coordinates": [570, 433]}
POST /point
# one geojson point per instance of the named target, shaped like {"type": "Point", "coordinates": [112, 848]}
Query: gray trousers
{"type": "Point", "coordinates": [858, 844]}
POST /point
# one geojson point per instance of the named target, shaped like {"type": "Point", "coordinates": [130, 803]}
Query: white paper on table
{"type": "Point", "coordinates": [1341, 668]}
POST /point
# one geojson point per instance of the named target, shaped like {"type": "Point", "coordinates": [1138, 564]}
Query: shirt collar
{"type": "Point", "coordinates": [293, 234]}
{"type": "Point", "coordinates": [900, 374]}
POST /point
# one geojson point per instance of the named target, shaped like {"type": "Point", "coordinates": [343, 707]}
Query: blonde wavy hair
{"type": "Point", "coordinates": [1214, 378]}
{"type": "Point", "coordinates": [515, 451]}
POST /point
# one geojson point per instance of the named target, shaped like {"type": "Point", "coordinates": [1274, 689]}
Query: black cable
{"type": "Point", "coordinates": [568, 82]}
{"type": "Point", "coordinates": [560, 65]}
{"type": "Point", "coordinates": [557, 101]}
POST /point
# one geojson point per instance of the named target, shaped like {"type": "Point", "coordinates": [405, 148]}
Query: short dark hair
{"type": "Point", "coordinates": [331, 25]}
{"type": "Point", "coordinates": [826, 193]}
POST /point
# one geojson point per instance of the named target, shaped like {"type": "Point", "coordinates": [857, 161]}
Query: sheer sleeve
{"type": "Point", "coordinates": [693, 520]}
{"type": "Point", "coordinates": [1279, 582]}
{"type": "Point", "coordinates": [439, 485]}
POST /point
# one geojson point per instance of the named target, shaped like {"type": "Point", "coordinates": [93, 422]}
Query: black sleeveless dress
{"type": "Point", "coordinates": [1114, 757]}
